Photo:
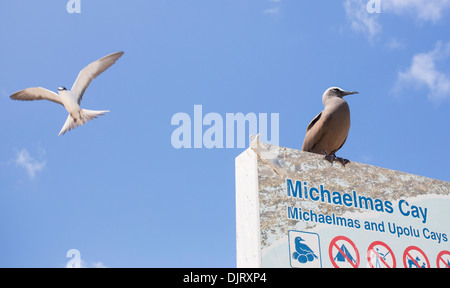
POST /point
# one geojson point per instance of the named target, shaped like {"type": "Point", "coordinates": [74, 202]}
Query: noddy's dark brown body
{"type": "Point", "coordinates": [328, 131]}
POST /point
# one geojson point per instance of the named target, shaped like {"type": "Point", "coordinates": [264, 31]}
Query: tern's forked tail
{"type": "Point", "coordinates": [84, 116]}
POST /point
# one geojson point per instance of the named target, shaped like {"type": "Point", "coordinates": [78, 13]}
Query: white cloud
{"type": "Point", "coordinates": [395, 44]}
{"type": "Point", "coordinates": [360, 19]}
{"type": "Point", "coordinates": [83, 264]}
{"type": "Point", "coordinates": [423, 72]}
{"type": "Point", "coordinates": [98, 265]}
{"type": "Point", "coordinates": [368, 23]}
{"type": "Point", "coordinates": [424, 10]}
{"type": "Point", "coordinates": [274, 10]}
{"type": "Point", "coordinates": [32, 166]}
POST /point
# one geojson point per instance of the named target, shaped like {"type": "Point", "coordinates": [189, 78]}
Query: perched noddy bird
{"type": "Point", "coordinates": [71, 99]}
{"type": "Point", "coordinates": [328, 131]}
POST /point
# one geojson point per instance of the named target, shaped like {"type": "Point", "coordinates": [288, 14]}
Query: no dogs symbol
{"type": "Point", "coordinates": [414, 257]}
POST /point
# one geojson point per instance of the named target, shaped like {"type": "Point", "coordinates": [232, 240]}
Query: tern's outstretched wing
{"type": "Point", "coordinates": [90, 72]}
{"type": "Point", "coordinates": [36, 93]}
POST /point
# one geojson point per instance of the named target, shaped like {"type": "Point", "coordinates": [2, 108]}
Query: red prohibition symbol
{"type": "Point", "coordinates": [380, 255]}
{"type": "Point", "coordinates": [347, 253]}
{"type": "Point", "coordinates": [443, 259]}
{"type": "Point", "coordinates": [414, 257]}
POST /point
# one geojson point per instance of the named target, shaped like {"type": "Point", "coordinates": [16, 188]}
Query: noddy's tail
{"type": "Point", "coordinates": [84, 116]}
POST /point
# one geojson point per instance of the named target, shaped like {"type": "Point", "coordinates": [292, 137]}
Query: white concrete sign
{"type": "Point", "coordinates": [293, 209]}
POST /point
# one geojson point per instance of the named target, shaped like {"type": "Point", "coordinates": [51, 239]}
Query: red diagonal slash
{"type": "Point", "coordinates": [442, 259]}
{"type": "Point", "coordinates": [354, 265]}
{"type": "Point", "coordinates": [381, 258]}
{"type": "Point", "coordinates": [417, 264]}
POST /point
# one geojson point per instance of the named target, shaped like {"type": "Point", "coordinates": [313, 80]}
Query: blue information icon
{"type": "Point", "coordinates": [304, 250]}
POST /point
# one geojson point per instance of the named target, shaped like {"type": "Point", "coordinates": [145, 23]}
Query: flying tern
{"type": "Point", "coordinates": [71, 99]}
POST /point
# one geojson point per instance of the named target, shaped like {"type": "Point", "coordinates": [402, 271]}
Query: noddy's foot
{"type": "Point", "coordinates": [342, 161]}
{"type": "Point", "coordinates": [331, 158]}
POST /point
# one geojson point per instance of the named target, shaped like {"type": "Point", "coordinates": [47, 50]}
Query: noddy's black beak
{"type": "Point", "coordinates": [349, 93]}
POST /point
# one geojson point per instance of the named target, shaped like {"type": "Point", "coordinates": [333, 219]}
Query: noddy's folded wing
{"type": "Point", "coordinates": [316, 129]}
{"type": "Point", "coordinates": [36, 93]}
{"type": "Point", "coordinates": [90, 72]}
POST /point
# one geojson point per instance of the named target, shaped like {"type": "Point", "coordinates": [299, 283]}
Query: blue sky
{"type": "Point", "coordinates": [118, 191]}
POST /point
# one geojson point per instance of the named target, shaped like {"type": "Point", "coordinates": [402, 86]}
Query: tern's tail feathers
{"type": "Point", "coordinates": [84, 116]}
